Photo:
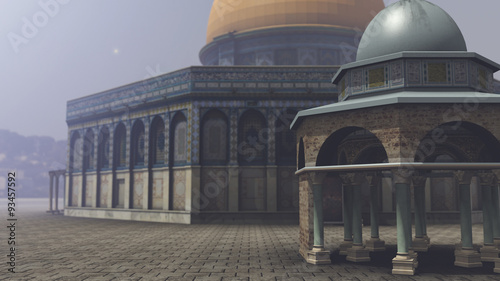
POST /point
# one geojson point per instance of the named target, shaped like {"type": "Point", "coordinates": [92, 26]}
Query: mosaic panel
{"type": "Point", "coordinates": [483, 80]}
{"type": "Point", "coordinates": [357, 80]}
{"type": "Point", "coordinates": [252, 193]}
{"type": "Point", "coordinates": [214, 139]}
{"type": "Point", "coordinates": [158, 193]}
{"type": "Point", "coordinates": [180, 142]}
{"type": "Point", "coordinates": [137, 195]}
{"type": "Point", "coordinates": [413, 70]}
{"type": "Point", "coordinates": [75, 191]}
{"type": "Point", "coordinates": [285, 57]}
{"type": "Point", "coordinates": [105, 184]}
{"type": "Point", "coordinates": [397, 73]}
{"type": "Point", "coordinates": [308, 57]}
{"type": "Point", "coordinates": [214, 184]}
{"type": "Point", "coordinates": [473, 75]}
{"type": "Point", "coordinates": [375, 78]}
{"type": "Point", "coordinates": [436, 72]}
{"type": "Point", "coordinates": [328, 57]}
{"type": "Point", "coordinates": [265, 58]}
{"type": "Point", "coordinates": [233, 137]}
{"type": "Point", "coordinates": [460, 72]}
{"type": "Point", "coordinates": [179, 191]}
{"type": "Point", "coordinates": [247, 59]}
{"type": "Point", "coordinates": [89, 190]}
{"type": "Point", "coordinates": [288, 190]}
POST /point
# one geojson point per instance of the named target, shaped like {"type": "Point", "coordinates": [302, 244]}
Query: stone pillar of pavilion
{"type": "Point", "coordinates": [57, 174]}
{"type": "Point", "coordinates": [51, 187]}
{"type": "Point", "coordinates": [466, 256]}
{"type": "Point", "coordinates": [318, 254]}
{"type": "Point", "coordinates": [374, 244]}
{"type": "Point", "coordinates": [347, 215]}
{"type": "Point", "coordinates": [421, 241]}
{"type": "Point", "coordinates": [405, 261]}
{"type": "Point", "coordinates": [496, 209]}
{"type": "Point", "coordinates": [357, 253]}
{"type": "Point", "coordinates": [488, 252]}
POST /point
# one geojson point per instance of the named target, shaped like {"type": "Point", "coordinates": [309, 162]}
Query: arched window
{"type": "Point", "coordinates": [157, 141]}
{"type": "Point", "coordinates": [179, 139]}
{"type": "Point", "coordinates": [75, 156]}
{"type": "Point", "coordinates": [286, 144]}
{"type": "Point", "coordinates": [103, 149]}
{"type": "Point", "coordinates": [252, 139]}
{"type": "Point", "coordinates": [119, 147]}
{"type": "Point", "coordinates": [88, 150]}
{"type": "Point", "coordinates": [214, 138]}
{"type": "Point", "coordinates": [137, 144]}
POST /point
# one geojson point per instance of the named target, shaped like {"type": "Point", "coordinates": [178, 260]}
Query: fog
{"type": "Point", "coordinates": [50, 54]}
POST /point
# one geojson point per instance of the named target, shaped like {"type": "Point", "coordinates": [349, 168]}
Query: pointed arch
{"type": "Point", "coordinates": [214, 138]}
{"type": "Point", "coordinates": [252, 138]}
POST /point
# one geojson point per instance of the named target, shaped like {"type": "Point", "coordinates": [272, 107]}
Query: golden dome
{"type": "Point", "coordinates": [242, 15]}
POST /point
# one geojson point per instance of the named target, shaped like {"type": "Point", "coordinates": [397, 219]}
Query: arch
{"type": "Point", "coordinates": [137, 151]}
{"type": "Point", "coordinates": [103, 149]}
{"type": "Point", "coordinates": [285, 139]}
{"type": "Point", "coordinates": [120, 147]}
{"type": "Point", "coordinates": [75, 161]}
{"type": "Point", "coordinates": [253, 136]}
{"type": "Point", "coordinates": [301, 161]}
{"type": "Point", "coordinates": [360, 141]}
{"type": "Point", "coordinates": [214, 138]}
{"type": "Point", "coordinates": [157, 141]}
{"type": "Point", "coordinates": [463, 141]}
{"type": "Point", "coordinates": [178, 141]}
{"type": "Point", "coordinates": [88, 150]}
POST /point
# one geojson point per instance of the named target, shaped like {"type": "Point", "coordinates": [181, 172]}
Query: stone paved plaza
{"type": "Point", "coordinates": [54, 247]}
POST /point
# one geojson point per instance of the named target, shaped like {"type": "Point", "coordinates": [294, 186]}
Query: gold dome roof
{"type": "Point", "coordinates": [242, 15]}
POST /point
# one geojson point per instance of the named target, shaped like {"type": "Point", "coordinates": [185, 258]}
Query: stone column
{"type": "Point", "coordinates": [421, 241]}
{"type": "Point", "coordinates": [374, 244]}
{"type": "Point", "coordinates": [466, 256]}
{"type": "Point", "coordinates": [357, 253]}
{"type": "Point", "coordinates": [496, 210]}
{"type": "Point", "coordinates": [488, 252]}
{"type": "Point", "coordinates": [405, 262]}
{"type": "Point", "coordinates": [318, 255]}
{"type": "Point", "coordinates": [347, 215]}
{"type": "Point", "coordinates": [51, 175]}
{"type": "Point", "coordinates": [57, 191]}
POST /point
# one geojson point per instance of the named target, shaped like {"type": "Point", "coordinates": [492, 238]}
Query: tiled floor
{"type": "Point", "coordinates": [51, 247]}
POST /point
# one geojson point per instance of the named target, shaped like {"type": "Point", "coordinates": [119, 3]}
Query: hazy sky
{"type": "Point", "coordinates": [88, 46]}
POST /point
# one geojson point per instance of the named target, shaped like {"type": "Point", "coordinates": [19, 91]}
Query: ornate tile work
{"type": "Point", "coordinates": [375, 78]}
{"type": "Point", "coordinates": [138, 191]}
{"type": "Point", "coordinates": [195, 132]}
{"type": "Point", "coordinates": [233, 136]}
{"type": "Point", "coordinates": [158, 193]}
{"type": "Point", "coordinates": [436, 72]}
{"type": "Point", "coordinates": [413, 70]}
{"type": "Point", "coordinates": [328, 57]}
{"type": "Point", "coordinates": [271, 149]}
{"type": "Point", "coordinates": [460, 72]}
{"type": "Point", "coordinates": [397, 73]}
{"type": "Point", "coordinates": [247, 59]}
{"type": "Point", "coordinates": [179, 192]}
{"type": "Point", "coordinates": [357, 80]}
{"type": "Point", "coordinates": [473, 74]}
{"type": "Point", "coordinates": [105, 184]}
{"type": "Point", "coordinates": [226, 60]}
{"type": "Point", "coordinates": [214, 184]}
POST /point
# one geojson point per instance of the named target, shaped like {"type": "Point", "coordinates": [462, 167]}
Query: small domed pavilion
{"type": "Point", "coordinates": [416, 116]}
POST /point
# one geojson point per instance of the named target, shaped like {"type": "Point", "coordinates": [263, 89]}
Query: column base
{"type": "Point", "coordinates": [496, 242]}
{"type": "Point", "coordinates": [467, 258]}
{"type": "Point", "coordinates": [489, 253]}
{"type": "Point", "coordinates": [497, 266]}
{"type": "Point", "coordinates": [344, 246]}
{"type": "Point", "coordinates": [403, 264]}
{"type": "Point", "coordinates": [375, 245]}
{"type": "Point", "coordinates": [414, 256]}
{"type": "Point", "coordinates": [420, 244]}
{"type": "Point", "coordinates": [318, 255]}
{"type": "Point", "coordinates": [358, 253]}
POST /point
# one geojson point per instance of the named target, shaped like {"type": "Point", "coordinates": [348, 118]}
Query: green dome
{"type": "Point", "coordinates": [410, 25]}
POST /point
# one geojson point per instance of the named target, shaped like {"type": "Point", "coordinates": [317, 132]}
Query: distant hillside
{"type": "Point", "coordinates": [31, 158]}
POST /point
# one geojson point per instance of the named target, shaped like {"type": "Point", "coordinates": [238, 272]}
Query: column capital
{"type": "Point", "coordinates": [486, 177]}
{"type": "Point", "coordinates": [316, 177]}
{"type": "Point", "coordinates": [373, 178]}
{"type": "Point", "coordinates": [463, 177]}
{"type": "Point", "coordinates": [419, 178]}
{"type": "Point", "coordinates": [401, 175]}
{"type": "Point", "coordinates": [352, 178]}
